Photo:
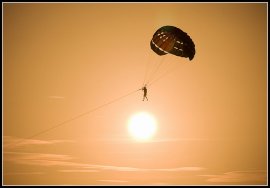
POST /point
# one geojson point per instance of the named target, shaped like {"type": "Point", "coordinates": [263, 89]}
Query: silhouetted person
{"type": "Point", "coordinates": [144, 92]}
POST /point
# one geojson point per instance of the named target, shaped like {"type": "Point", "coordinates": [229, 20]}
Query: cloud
{"type": "Point", "coordinates": [127, 140]}
{"type": "Point", "coordinates": [160, 183]}
{"type": "Point", "coordinates": [42, 159]}
{"type": "Point", "coordinates": [78, 170]}
{"type": "Point", "coordinates": [66, 161]}
{"type": "Point", "coordinates": [60, 160]}
{"type": "Point", "coordinates": [114, 168]}
{"type": "Point", "coordinates": [113, 181]}
{"type": "Point", "coordinates": [10, 141]}
{"type": "Point", "coordinates": [252, 176]}
{"type": "Point", "coordinates": [180, 169]}
{"type": "Point", "coordinates": [178, 139]}
{"type": "Point", "coordinates": [23, 173]}
{"type": "Point", "coordinates": [56, 97]}
{"type": "Point", "coordinates": [132, 169]}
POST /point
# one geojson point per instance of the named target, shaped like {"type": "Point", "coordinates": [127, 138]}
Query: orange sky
{"type": "Point", "coordinates": [61, 60]}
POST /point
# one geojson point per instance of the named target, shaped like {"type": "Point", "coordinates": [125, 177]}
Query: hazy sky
{"type": "Point", "coordinates": [61, 60]}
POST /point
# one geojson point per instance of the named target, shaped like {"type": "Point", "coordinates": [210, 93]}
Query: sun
{"type": "Point", "coordinates": [142, 126]}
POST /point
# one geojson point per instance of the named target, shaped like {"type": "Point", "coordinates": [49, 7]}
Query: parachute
{"type": "Point", "coordinates": [167, 40]}
{"type": "Point", "coordinates": [170, 39]}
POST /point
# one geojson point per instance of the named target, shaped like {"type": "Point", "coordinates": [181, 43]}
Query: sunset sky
{"type": "Point", "coordinates": [74, 69]}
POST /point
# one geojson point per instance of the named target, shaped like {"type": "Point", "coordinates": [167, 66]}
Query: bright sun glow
{"type": "Point", "coordinates": [142, 126]}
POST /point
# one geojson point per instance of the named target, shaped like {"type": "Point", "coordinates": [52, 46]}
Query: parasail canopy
{"type": "Point", "coordinates": [170, 39]}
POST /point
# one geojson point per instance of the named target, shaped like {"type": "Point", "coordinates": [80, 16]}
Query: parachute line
{"type": "Point", "coordinates": [147, 68]}
{"type": "Point", "coordinates": [155, 71]}
{"type": "Point", "coordinates": [169, 69]}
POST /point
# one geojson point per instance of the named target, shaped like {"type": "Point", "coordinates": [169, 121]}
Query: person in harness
{"type": "Point", "coordinates": [144, 92]}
